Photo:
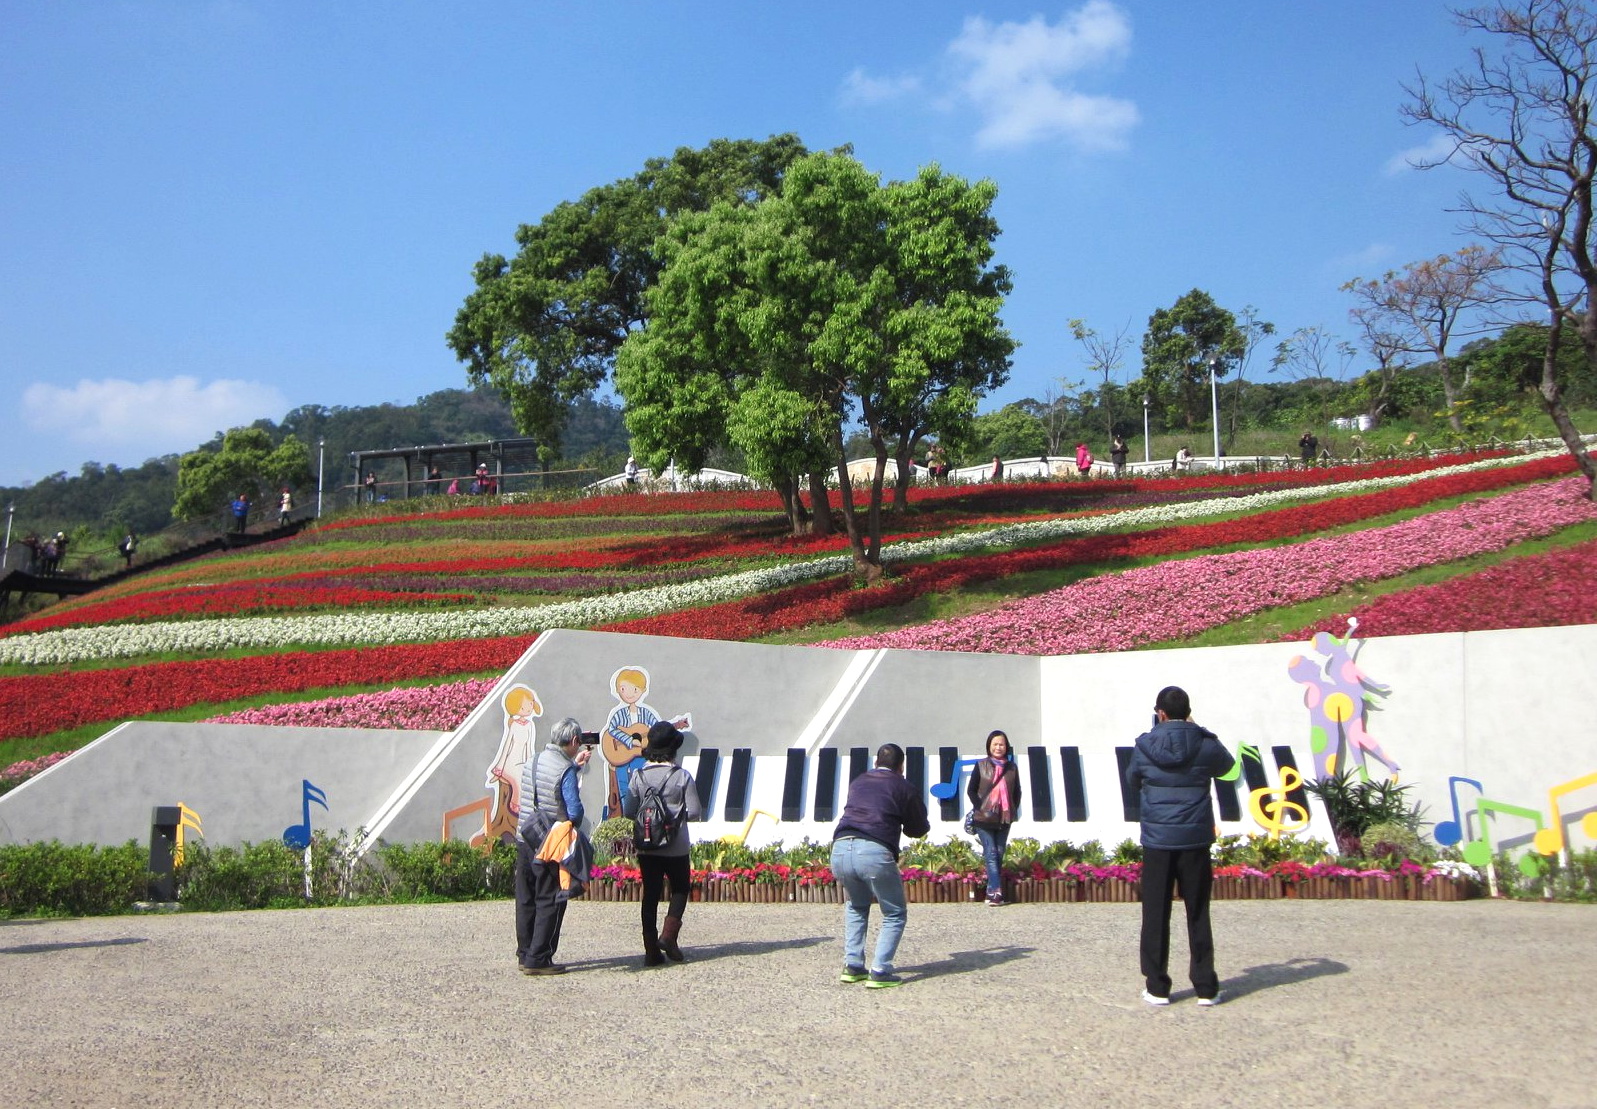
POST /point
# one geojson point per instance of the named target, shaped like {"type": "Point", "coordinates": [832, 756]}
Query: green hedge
{"type": "Point", "coordinates": [55, 879]}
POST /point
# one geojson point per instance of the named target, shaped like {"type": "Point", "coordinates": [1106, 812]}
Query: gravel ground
{"type": "Point", "coordinates": [1326, 1003]}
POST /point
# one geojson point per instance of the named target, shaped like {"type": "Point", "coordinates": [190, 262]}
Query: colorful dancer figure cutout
{"type": "Point", "coordinates": [1339, 697]}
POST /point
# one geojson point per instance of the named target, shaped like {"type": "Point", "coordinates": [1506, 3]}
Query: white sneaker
{"type": "Point", "coordinates": [1152, 1000]}
{"type": "Point", "coordinates": [1209, 1002]}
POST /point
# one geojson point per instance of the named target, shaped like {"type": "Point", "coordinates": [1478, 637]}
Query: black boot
{"type": "Point", "coordinates": [668, 939]}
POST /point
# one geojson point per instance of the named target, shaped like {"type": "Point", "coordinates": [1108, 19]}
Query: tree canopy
{"type": "Point", "coordinates": [246, 463]}
{"type": "Point", "coordinates": [545, 326]}
{"type": "Point", "coordinates": [1177, 349]}
{"type": "Point", "coordinates": [837, 300]}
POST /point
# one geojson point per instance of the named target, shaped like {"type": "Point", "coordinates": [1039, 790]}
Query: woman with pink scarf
{"type": "Point", "coordinates": [994, 794]}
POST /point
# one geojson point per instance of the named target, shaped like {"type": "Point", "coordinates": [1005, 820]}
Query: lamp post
{"type": "Point", "coordinates": [5, 552]}
{"type": "Point", "coordinates": [321, 469]}
{"type": "Point", "coordinates": [1214, 406]}
{"type": "Point", "coordinates": [1147, 447]}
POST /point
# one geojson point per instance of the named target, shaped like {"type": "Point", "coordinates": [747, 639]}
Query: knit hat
{"type": "Point", "coordinates": [664, 741]}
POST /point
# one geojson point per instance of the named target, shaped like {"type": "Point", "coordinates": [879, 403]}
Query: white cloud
{"type": "Point", "coordinates": [861, 88]}
{"type": "Point", "coordinates": [155, 417]}
{"type": "Point", "coordinates": [1438, 149]}
{"type": "Point", "coordinates": [1019, 77]}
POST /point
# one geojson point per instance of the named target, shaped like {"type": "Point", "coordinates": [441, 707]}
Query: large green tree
{"type": "Point", "coordinates": [1177, 351]}
{"type": "Point", "coordinates": [545, 326]}
{"type": "Point", "coordinates": [246, 462]}
{"type": "Point", "coordinates": [837, 301]}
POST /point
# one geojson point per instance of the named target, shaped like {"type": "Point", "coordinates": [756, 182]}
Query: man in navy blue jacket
{"type": "Point", "coordinates": [1172, 767]}
{"type": "Point", "coordinates": [881, 806]}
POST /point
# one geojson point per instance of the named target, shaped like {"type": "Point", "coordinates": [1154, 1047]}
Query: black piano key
{"type": "Point", "coordinates": [915, 770]}
{"type": "Point", "coordinates": [793, 787]}
{"type": "Point", "coordinates": [737, 784]}
{"type": "Point", "coordinates": [859, 761]}
{"type": "Point", "coordinates": [1075, 786]}
{"type": "Point", "coordinates": [1253, 773]}
{"type": "Point", "coordinates": [1283, 759]}
{"type": "Point", "coordinates": [1042, 790]}
{"type": "Point", "coordinates": [704, 780]}
{"type": "Point", "coordinates": [1130, 799]}
{"type": "Point", "coordinates": [826, 784]}
{"type": "Point", "coordinates": [948, 766]}
{"type": "Point", "coordinates": [1225, 793]}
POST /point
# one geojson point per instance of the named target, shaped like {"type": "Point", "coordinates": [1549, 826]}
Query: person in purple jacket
{"type": "Point", "coordinates": [881, 807]}
{"type": "Point", "coordinates": [1172, 768]}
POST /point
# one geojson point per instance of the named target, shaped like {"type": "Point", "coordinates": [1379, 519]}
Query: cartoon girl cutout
{"type": "Point", "coordinates": [515, 748]}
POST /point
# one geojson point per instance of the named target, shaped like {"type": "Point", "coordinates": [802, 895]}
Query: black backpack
{"type": "Point", "coordinates": [655, 824]}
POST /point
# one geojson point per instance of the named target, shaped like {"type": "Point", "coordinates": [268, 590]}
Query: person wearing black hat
{"type": "Point", "coordinates": [676, 788]}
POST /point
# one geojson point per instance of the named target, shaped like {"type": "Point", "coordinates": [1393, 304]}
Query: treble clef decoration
{"type": "Point", "coordinates": [1281, 814]}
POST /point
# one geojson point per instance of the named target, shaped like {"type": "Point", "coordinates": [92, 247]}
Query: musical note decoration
{"type": "Point", "coordinates": [298, 836]}
{"type": "Point", "coordinates": [1244, 751]}
{"type": "Point", "coordinates": [945, 791]}
{"type": "Point", "coordinates": [1551, 839]}
{"type": "Point", "coordinates": [186, 818]}
{"type": "Point", "coordinates": [1451, 832]}
{"type": "Point", "coordinates": [739, 838]}
{"type": "Point", "coordinates": [1478, 852]}
{"type": "Point", "coordinates": [1282, 814]}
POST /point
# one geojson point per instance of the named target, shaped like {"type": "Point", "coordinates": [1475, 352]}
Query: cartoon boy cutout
{"type": "Point", "coordinates": [627, 729]}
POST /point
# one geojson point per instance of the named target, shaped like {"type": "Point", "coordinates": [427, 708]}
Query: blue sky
{"type": "Point", "coordinates": [215, 212]}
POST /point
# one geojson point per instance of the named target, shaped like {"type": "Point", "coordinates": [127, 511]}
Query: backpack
{"type": "Point", "coordinates": [655, 824]}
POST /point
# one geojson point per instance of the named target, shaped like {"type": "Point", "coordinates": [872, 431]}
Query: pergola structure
{"type": "Point", "coordinates": [403, 471]}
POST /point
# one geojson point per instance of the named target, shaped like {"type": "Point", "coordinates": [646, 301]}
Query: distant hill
{"type": "Point", "coordinates": [109, 498]}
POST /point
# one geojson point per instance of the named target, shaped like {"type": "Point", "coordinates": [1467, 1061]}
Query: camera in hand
{"type": "Point", "coordinates": [590, 739]}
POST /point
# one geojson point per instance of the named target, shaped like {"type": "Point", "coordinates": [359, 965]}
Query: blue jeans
{"type": "Point", "coordinates": [994, 838]}
{"type": "Point", "coordinates": [868, 871]}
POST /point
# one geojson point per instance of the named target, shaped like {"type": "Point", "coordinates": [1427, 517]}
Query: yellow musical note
{"type": "Point", "coordinates": [748, 825]}
{"type": "Point", "coordinates": [187, 818]}
{"type": "Point", "coordinates": [1551, 840]}
{"type": "Point", "coordinates": [1275, 815]}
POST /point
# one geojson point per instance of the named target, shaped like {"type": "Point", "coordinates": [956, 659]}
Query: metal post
{"type": "Point", "coordinates": [1147, 447]}
{"type": "Point", "coordinates": [321, 469]}
{"type": "Point", "coordinates": [1214, 404]}
{"type": "Point", "coordinates": [5, 552]}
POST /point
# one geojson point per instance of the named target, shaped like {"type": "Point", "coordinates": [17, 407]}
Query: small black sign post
{"type": "Point", "coordinates": [164, 820]}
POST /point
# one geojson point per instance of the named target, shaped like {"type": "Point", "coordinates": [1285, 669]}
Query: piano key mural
{"type": "Point", "coordinates": [1484, 724]}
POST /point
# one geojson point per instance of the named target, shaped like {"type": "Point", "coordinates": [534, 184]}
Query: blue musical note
{"type": "Point", "coordinates": [1451, 832]}
{"type": "Point", "coordinates": [298, 836]}
{"type": "Point", "coordinates": [944, 791]}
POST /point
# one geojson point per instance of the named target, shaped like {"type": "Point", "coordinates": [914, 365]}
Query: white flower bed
{"type": "Point", "coordinates": [68, 645]}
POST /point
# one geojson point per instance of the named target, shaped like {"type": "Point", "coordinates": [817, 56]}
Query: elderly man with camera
{"type": "Point", "coordinates": [550, 793]}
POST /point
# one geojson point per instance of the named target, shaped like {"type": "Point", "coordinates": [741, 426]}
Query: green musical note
{"type": "Point", "coordinates": [1479, 852]}
{"type": "Point", "coordinates": [1236, 763]}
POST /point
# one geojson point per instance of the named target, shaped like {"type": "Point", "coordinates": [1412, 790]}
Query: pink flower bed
{"type": "Point", "coordinates": [1173, 600]}
{"type": "Point", "coordinates": [1552, 589]}
{"type": "Point", "coordinates": [432, 708]}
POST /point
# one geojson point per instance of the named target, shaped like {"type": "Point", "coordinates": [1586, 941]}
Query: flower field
{"type": "Point", "coordinates": [361, 608]}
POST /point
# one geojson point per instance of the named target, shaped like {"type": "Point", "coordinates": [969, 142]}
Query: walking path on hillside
{"type": "Point", "coordinates": [1326, 1003]}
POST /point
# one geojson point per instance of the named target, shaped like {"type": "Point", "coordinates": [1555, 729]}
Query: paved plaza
{"type": "Point", "coordinates": [1326, 1003]}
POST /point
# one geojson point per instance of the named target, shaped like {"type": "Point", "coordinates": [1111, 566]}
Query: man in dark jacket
{"type": "Point", "coordinates": [1172, 766]}
{"type": "Point", "coordinates": [881, 806]}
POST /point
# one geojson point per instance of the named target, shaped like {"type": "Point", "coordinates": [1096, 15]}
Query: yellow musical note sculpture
{"type": "Point", "coordinates": [748, 825]}
{"type": "Point", "coordinates": [187, 818]}
{"type": "Point", "coordinates": [1551, 840]}
{"type": "Point", "coordinates": [1275, 815]}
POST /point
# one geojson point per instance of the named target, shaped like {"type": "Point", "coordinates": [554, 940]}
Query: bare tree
{"type": "Point", "coordinates": [1254, 331]}
{"type": "Point", "coordinates": [1423, 305]}
{"type": "Point", "coordinates": [1105, 355]}
{"type": "Point", "coordinates": [1521, 116]}
{"type": "Point", "coordinates": [1316, 358]}
{"type": "Point", "coordinates": [1387, 347]}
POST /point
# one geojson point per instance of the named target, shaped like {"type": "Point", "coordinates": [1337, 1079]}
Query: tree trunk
{"type": "Point", "coordinates": [1553, 401]}
{"type": "Point", "coordinates": [792, 504]}
{"type": "Point", "coordinates": [906, 477]}
{"type": "Point", "coordinates": [864, 568]}
{"type": "Point", "coordinates": [820, 505]}
{"type": "Point", "coordinates": [1450, 394]}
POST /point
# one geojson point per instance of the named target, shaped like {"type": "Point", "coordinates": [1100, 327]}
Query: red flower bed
{"type": "Point", "coordinates": [1552, 589]}
{"type": "Point", "coordinates": [44, 703]}
{"type": "Point", "coordinates": [226, 600]}
{"type": "Point", "coordinates": [830, 601]}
